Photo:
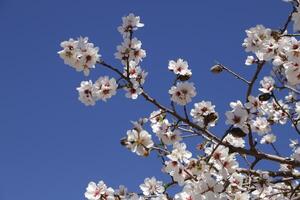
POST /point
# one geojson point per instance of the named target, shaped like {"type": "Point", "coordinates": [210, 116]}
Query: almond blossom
{"type": "Point", "coordinates": [182, 93]}
{"type": "Point", "coordinates": [180, 67]}
{"type": "Point", "coordinates": [105, 88]}
{"type": "Point", "coordinates": [130, 23]}
{"type": "Point", "coordinates": [215, 170]}
{"type": "Point", "coordinates": [80, 54]}
{"type": "Point", "coordinates": [139, 142]}
{"type": "Point", "coordinates": [86, 93]}
{"type": "Point", "coordinates": [152, 186]}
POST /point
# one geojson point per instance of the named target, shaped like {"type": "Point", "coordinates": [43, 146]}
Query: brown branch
{"type": "Point", "coordinates": [275, 149]}
{"type": "Point", "coordinates": [270, 173]}
{"type": "Point", "coordinates": [289, 88]}
{"type": "Point", "coordinates": [234, 74]}
{"type": "Point", "coordinates": [287, 113]}
{"type": "Point", "coordinates": [249, 91]}
{"type": "Point", "coordinates": [209, 135]}
{"type": "Point", "coordinates": [255, 162]}
{"type": "Point", "coordinates": [289, 19]}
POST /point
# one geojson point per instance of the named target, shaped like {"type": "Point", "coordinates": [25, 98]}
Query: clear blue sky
{"type": "Point", "coordinates": [51, 145]}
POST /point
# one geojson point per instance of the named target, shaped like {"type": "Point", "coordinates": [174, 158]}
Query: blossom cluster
{"type": "Point", "coordinates": [79, 54]}
{"type": "Point", "coordinates": [103, 89]}
{"type": "Point", "coordinates": [151, 188]}
{"type": "Point", "coordinates": [130, 53]}
{"type": "Point", "coordinates": [204, 114]}
{"type": "Point", "coordinates": [214, 171]}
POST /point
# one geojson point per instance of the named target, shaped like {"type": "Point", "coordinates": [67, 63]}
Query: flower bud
{"type": "Point", "coordinates": [146, 153]}
{"type": "Point", "coordinates": [184, 77]}
{"type": "Point", "coordinates": [264, 97]}
{"type": "Point", "coordinates": [216, 69]}
{"type": "Point", "coordinates": [237, 132]}
{"type": "Point", "coordinates": [210, 118]}
{"type": "Point", "coordinates": [276, 35]}
{"type": "Point", "coordinates": [124, 141]}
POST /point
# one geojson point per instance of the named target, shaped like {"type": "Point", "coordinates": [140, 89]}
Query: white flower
{"type": "Point", "coordinates": [292, 97]}
{"type": "Point", "coordinates": [296, 154]}
{"type": "Point", "coordinates": [235, 141]}
{"type": "Point", "coordinates": [68, 54]}
{"type": "Point", "coordinates": [141, 77]}
{"type": "Point", "coordinates": [236, 105]}
{"type": "Point", "coordinates": [172, 166]}
{"type": "Point", "coordinates": [294, 143]}
{"type": "Point", "coordinates": [123, 51]}
{"type": "Point", "coordinates": [185, 195]}
{"type": "Point", "coordinates": [133, 69]}
{"type": "Point", "coordinates": [204, 114]}
{"type": "Point", "coordinates": [291, 49]}
{"type": "Point", "coordinates": [253, 104]}
{"type": "Point", "coordinates": [94, 191]}
{"type": "Point", "coordinates": [222, 160]}
{"type": "Point", "coordinates": [229, 164]}
{"type": "Point", "coordinates": [180, 67]}
{"type": "Point", "coordinates": [250, 60]}
{"type": "Point", "coordinates": [80, 54]}
{"type": "Point", "coordinates": [134, 196]}
{"type": "Point", "coordinates": [292, 72]}
{"type": "Point", "coordinates": [268, 50]}
{"type": "Point", "coordinates": [160, 197]}
{"type": "Point", "coordinates": [157, 116]}
{"type": "Point", "coordinates": [109, 194]}
{"type": "Point", "coordinates": [267, 84]}
{"type": "Point", "coordinates": [130, 23]}
{"type": "Point", "coordinates": [268, 139]}
{"type": "Point", "coordinates": [139, 142]}
{"type": "Point", "coordinates": [260, 125]}
{"type": "Point", "coordinates": [138, 125]}
{"type": "Point", "coordinates": [182, 93]}
{"type": "Point", "coordinates": [105, 88]}
{"type": "Point", "coordinates": [255, 38]}
{"type": "Point", "coordinates": [219, 154]}
{"type": "Point", "coordinates": [238, 116]}
{"type": "Point", "coordinates": [122, 192]}
{"type": "Point", "coordinates": [209, 184]}
{"type": "Point", "coordinates": [202, 108]}
{"type": "Point", "coordinates": [236, 180]}
{"type": "Point", "coordinates": [134, 91]}
{"type": "Point", "coordinates": [161, 127]}
{"type": "Point", "coordinates": [137, 53]}
{"type": "Point", "coordinates": [130, 50]}
{"type": "Point", "coordinates": [170, 137]}
{"type": "Point", "coordinates": [241, 196]}
{"type": "Point", "coordinates": [197, 167]}
{"type": "Point", "coordinates": [180, 153]}
{"type": "Point", "coordinates": [176, 170]}
{"type": "Point", "coordinates": [165, 133]}
{"type": "Point", "coordinates": [152, 187]}
{"type": "Point", "coordinates": [260, 42]}
{"type": "Point", "coordinates": [86, 93]}
{"type": "Point", "coordinates": [275, 112]}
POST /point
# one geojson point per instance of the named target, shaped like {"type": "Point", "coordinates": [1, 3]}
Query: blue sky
{"type": "Point", "coordinates": [51, 145]}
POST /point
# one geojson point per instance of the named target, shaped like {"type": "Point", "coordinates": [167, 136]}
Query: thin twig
{"type": "Point", "coordinates": [234, 74]}
{"type": "Point", "coordinates": [274, 148]}
{"type": "Point", "coordinates": [287, 113]}
{"type": "Point", "coordinates": [206, 133]}
{"type": "Point", "coordinates": [289, 19]}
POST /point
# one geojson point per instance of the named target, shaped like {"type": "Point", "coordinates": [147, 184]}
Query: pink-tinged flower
{"type": "Point", "coordinates": [152, 187]}
{"type": "Point", "coordinates": [94, 191]}
{"type": "Point", "coordinates": [182, 93]}
{"type": "Point", "coordinates": [180, 67]}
